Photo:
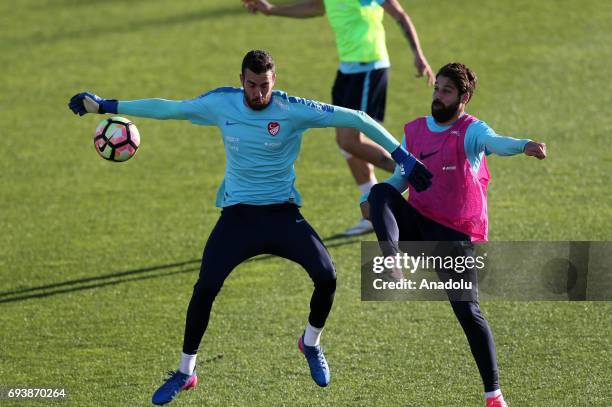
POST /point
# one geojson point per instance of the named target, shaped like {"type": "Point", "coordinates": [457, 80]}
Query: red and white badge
{"type": "Point", "coordinates": [273, 128]}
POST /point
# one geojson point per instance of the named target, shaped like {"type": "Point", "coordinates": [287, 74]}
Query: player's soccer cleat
{"type": "Point", "coordinates": [319, 370]}
{"type": "Point", "coordinates": [497, 401]}
{"type": "Point", "coordinates": [394, 274]}
{"type": "Point", "coordinates": [363, 226]}
{"type": "Point", "coordinates": [173, 385]}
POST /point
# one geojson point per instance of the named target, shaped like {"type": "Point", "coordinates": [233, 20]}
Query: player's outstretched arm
{"type": "Point", "coordinates": [403, 19]}
{"type": "Point", "coordinates": [161, 109]}
{"type": "Point", "coordinates": [304, 9]}
{"type": "Point", "coordinates": [482, 138]}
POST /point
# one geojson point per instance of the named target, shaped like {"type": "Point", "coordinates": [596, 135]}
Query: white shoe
{"type": "Point", "coordinates": [363, 226]}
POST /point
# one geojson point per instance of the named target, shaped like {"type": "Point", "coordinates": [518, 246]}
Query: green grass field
{"type": "Point", "coordinates": [97, 260]}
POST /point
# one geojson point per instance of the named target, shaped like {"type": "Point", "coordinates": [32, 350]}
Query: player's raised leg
{"type": "Point", "coordinates": [393, 219]}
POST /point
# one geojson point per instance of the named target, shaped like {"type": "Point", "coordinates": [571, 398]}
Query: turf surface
{"type": "Point", "coordinates": [97, 260]}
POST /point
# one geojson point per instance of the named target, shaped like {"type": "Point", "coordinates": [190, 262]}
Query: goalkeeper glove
{"type": "Point", "coordinates": [85, 102]}
{"type": "Point", "coordinates": [415, 171]}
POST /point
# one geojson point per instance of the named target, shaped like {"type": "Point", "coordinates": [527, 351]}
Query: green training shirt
{"type": "Point", "coordinates": [358, 25]}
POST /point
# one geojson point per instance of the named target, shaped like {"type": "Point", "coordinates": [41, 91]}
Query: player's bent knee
{"type": "Point", "coordinates": [326, 278]}
{"type": "Point", "coordinates": [381, 192]}
{"type": "Point", "coordinates": [382, 188]}
{"type": "Point", "coordinates": [327, 285]}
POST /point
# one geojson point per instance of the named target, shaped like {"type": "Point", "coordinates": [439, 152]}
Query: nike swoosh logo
{"type": "Point", "coordinates": [424, 156]}
{"type": "Point", "coordinates": [228, 123]}
{"type": "Point", "coordinates": [299, 220]}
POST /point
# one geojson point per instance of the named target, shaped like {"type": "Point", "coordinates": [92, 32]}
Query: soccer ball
{"type": "Point", "coordinates": [116, 139]}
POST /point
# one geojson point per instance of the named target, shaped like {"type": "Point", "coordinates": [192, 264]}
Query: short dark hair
{"type": "Point", "coordinates": [462, 76]}
{"type": "Point", "coordinates": [258, 61]}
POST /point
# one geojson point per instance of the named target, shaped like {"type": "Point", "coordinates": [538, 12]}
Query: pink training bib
{"type": "Point", "coordinates": [458, 195]}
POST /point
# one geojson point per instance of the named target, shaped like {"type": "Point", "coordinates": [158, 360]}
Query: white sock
{"type": "Point", "coordinates": [312, 335]}
{"type": "Point", "coordinates": [493, 393]}
{"type": "Point", "coordinates": [366, 186]}
{"type": "Point", "coordinates": [188, 363]}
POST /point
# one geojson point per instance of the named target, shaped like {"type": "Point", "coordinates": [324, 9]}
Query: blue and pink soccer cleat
{"type": "Point", "coordinates": [319, 370]}
{"type": "Point", "coordinates": [173, 385]}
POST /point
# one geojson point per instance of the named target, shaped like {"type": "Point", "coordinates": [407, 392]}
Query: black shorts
{"type": "Point", "coordinates": [366, 91]}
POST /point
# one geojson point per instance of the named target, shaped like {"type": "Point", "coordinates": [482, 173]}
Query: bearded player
{"type": "Point", "coordinates": [454, 146]}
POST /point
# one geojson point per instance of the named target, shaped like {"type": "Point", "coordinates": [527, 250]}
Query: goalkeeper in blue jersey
{"type": "Point", "coordinates": [262, 131]}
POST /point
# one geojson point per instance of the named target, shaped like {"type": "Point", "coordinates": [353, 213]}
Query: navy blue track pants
{"type": "Point", "coordinates": [244, 231]}
{"type": "Point", "coordinates": [395, 220]}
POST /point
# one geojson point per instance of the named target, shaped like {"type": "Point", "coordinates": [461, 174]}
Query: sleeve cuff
{"type": "Point", "coordinates": [364, 197]}
{"type": "Point", "coordinates": [525, 141]}
{"type": "Point", "coordinates": [110, 106]}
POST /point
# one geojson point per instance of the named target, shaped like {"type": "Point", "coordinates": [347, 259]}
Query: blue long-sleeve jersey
{"type": "Point", "coordinates": [260, 145]}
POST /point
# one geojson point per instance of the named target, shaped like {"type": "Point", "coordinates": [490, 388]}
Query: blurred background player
{"type": "Point", "coordinates": [361, 80]}
{"type": "Point", "coordinates": [262, 131]}
{"type": "Point", "coordinates": [453, 144]}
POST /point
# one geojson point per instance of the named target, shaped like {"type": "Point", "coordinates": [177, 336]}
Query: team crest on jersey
{"type": "Point", "coordinates": [273, 128]}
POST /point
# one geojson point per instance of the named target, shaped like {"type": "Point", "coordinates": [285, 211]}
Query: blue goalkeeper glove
{"type": "Point", "coordinates": [415, 171]}
{"type": "Point", "coordinates": [85, 102]}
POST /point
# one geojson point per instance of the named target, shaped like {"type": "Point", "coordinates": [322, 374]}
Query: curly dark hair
{"type": "Point", "coordinates": [462, 76]}
{"type": "Point", "coordinates": [258, 62]}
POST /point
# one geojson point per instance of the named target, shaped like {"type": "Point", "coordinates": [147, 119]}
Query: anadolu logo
{"type": "Point", "coordinates": [273, 128]}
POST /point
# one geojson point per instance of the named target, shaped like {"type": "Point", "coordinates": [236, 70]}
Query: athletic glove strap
{"type": "Point", "coordinates": [109, 106]}
{"type": "Point", "coordinates": [404, 159]}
